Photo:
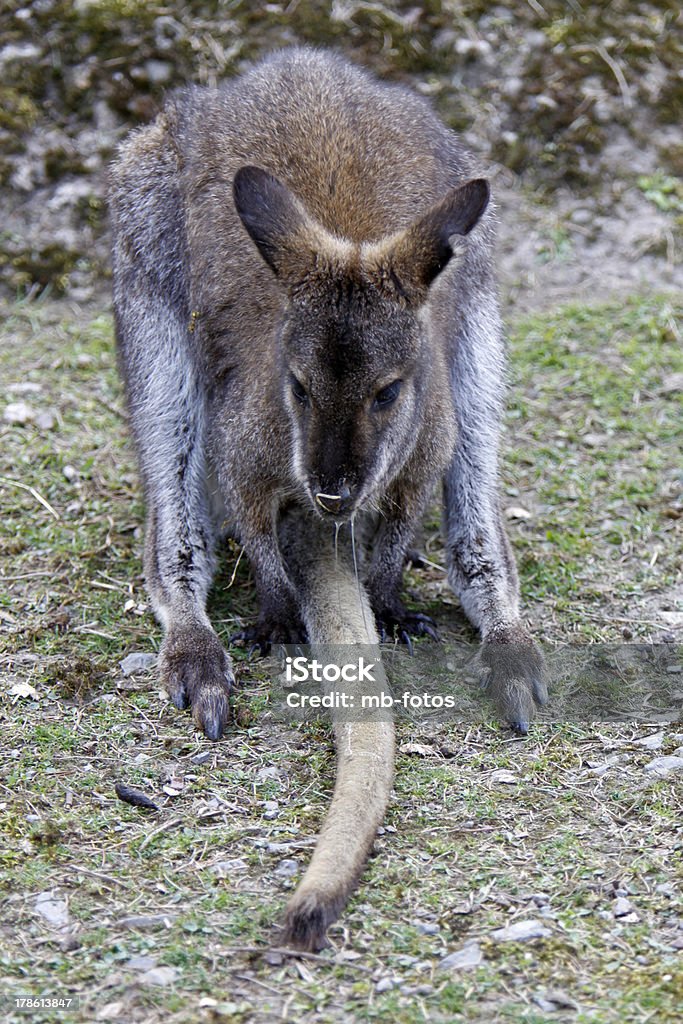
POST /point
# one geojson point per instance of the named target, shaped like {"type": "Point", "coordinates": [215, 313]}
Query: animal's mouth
{"type": "Point", "coordinates": [339, 506]}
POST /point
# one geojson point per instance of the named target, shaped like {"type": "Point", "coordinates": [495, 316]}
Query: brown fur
{"type": "Point", "coordinates": [307, 336]}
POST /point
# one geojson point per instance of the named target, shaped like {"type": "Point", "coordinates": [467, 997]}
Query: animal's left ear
{"type": "Point", "coordinates": [412, 259]}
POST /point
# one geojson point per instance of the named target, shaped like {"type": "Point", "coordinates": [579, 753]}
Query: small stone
{"type": "Point", "coordinates": [137, 662]}
{"type": "Point", "coordinates": [52, 909]}
{"type": "Point", "coordinates": [202, 757]}
{"type": "Point", "coordinates": [672, 383]}
{"type": "Point", "coordinates": [287, 868]}
{"type": "Point", "coordinates": [270, 809]}
{"type": "Point", "coordinates": [517, 512]}
{"type": "Point", "coordinates": [158, 71]}
{"type": "Point", "coordinates": [110, 1011]}
{"type": "Point", "coordinates": [18, 412]}
{"type": "Point", "coordinates": [159, 976]}
{"type": "Point", "coordinates": [227, 868]}
{"type": "Point", "coordinates": [664, 765]}
{"type": "Point", "coordinates": [469, 956]}
{"type": "Point", "coordinates": [503, 777]}
{"type": "Point", "coordinates": [385, 984]}
{"type": "Point", "coordinates": [427, 928]}
{"type": "Point", "coordinates": [622, 907]}
{"type": "Point", "coordinates": [146, 922]}
{"type": "Point", "coordinates": [554, 1000]}
{"type": "Point", "coordinates": [521, 931]}
{"type": "Point", "coordinates": [45, 420]}
{"type": "Point", "coordinates": [651, 742]}
{"type": "Point", "coordinates": [70, 473]}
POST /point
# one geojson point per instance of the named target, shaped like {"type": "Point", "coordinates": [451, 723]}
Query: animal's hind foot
{"type": "Point", "coordinates": [260, 637]}
{"type": "Point", "coordinates": [513, 672]}
{"type": "Point", "coordinates": [197, 673]}
{"type": "Point", "coordinates": [402, 624]}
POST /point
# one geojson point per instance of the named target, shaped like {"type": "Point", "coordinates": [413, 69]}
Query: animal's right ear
{"type": "Point", "coordinates": [276, 220]}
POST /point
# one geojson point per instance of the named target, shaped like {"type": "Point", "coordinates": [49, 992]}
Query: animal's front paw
{"type": "Point", "coordinates": [269, 630]}
{"type": "Point", "coordinates": [399, 623]}
{"type": "Point", "coordinates": [514, 674]}
{"type": "Point", "coordinates": [197, 673]}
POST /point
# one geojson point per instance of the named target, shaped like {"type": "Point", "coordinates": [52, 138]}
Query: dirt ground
{"type": "Point", "coordinates": [531, 880]}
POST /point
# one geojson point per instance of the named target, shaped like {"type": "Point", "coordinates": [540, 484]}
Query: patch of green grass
{"type": "Point", "coordinates": [591, 454]}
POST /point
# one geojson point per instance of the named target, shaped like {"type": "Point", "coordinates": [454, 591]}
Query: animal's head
{"type": "Point", "coordinates": [356, 367]}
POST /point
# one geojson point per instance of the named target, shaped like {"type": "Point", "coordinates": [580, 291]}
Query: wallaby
{"type": "Point", "coordinates": [308, 327]}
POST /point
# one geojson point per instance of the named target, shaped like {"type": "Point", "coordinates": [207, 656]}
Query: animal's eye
{"type": "Point", "coordinates": [299, 391]}
{"type": "Point", "coordinates": [388, 395]}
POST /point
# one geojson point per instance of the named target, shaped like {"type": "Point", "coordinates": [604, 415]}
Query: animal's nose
{"type": "Point", "coordinates": [334, 503]}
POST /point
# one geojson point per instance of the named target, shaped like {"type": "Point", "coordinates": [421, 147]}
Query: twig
{"type": "Point", "coordinates": [31, 490]}
{"type": "Point", "coordinates": [234, 571]}
{"type": "Point", "coordinates": [117, 883]}
{"type": "Point", "coordinates": [618, 74]}
{"type": "Point", "coordinates": [162, 828]}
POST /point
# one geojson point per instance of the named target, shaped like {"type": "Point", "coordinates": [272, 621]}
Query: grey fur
{"type": "Point", "coordinates": [347, 278]}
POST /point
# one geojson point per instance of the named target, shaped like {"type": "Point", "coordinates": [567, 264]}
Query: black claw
{"type": "Point", "coordinates": [520, 727]}
{"type": "Point", "coordinates": [404, 637]}
{"type": "Point", "coordinates": [180, 699]}
{"type": "Point", "coordinates": [213, 730]}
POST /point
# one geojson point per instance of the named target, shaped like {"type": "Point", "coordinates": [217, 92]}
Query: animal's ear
{"type": "Point", "coordinates": [412, 259]}
{"type": "Point", "coordinates": [279, 224]}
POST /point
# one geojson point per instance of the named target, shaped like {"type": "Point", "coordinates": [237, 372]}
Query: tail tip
{"type": "Point", "coordinates": [307, 919]}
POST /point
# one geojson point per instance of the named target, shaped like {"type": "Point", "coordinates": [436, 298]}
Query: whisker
{"type": "Point", "coordinates": [337, 527]}
{"type": "Point", "coordinates": [355, 569]}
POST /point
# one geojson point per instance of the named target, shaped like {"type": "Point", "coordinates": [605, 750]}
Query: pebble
{"type": "Point", "coordinates": [52, 909]}
{"type": "Point", "coordinates": [270, 809]}
{"type": "Point", "coordinates": [137, 662]}
{"type": "Point", "coordinates": [18, 412]}
{"type": "Point", "coordinates": [427, 928]}
{"type": "Point", "coordinates": [226, 868]}
{"type": "Point", "coordinates": [146, 922]}
{"type": "Point", "coordinates": [45, 420]}
{"type": "Point", "coordinates": [651, 742]}
{"type": "Point", "coordinates": [521, 931]}
{"type": "Point", "coordinates": [664, 765]}
{"type": "Point", "coordinates": [159, 976]}
{"type": "Point", "coordinates": [469, 956]}
{"type": "Point", "coordinates": [287, 868]}
{"type": "Point", "coordinates": [622, 907]}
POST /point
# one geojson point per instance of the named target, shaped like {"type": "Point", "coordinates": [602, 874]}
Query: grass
{"type": "Point", "coordinates": [592, 455]}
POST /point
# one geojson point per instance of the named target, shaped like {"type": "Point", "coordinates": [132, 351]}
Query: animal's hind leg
{"type": "Point", "coordinates": [481, 566]}
{"type": "Point", "coordinates": [168, 419]}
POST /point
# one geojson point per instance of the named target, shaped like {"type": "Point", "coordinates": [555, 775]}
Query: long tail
{"type": "Point", "coordinates": [336, 611]}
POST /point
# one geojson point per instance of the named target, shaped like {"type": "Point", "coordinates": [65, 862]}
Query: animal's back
{"type": "Point", "coordinates": [365, 157]}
